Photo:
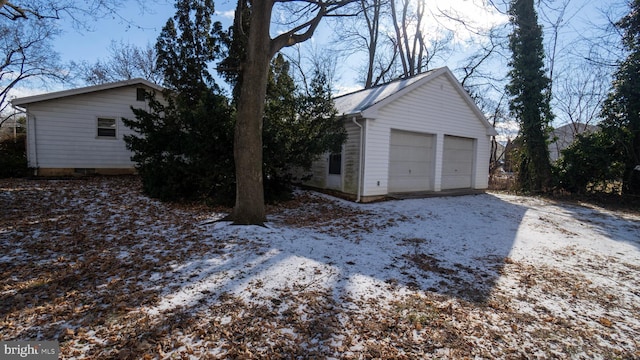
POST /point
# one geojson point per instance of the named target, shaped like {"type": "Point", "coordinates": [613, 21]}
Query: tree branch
{"type": "Point", "coordinates": [293, 37]}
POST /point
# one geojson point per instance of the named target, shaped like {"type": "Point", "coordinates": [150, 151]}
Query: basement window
{"type": "Point", "coordinates": [106, 128]}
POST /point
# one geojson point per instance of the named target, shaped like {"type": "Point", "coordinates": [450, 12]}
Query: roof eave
{"type": "Point", "coordinates": [84, 90]}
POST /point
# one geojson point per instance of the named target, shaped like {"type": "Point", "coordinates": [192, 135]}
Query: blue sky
{"type": "Point", "coordinates": [140, 27]}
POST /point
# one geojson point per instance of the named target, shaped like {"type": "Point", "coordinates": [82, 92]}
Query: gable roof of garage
{"type": "Point", "coordinates": [359, 101]}
{"type": "Point", "coordinates": [367, 102]}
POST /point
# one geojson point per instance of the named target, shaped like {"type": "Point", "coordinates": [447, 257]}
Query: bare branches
{"type": "Point", "coordinates": [79, 13]}
{"type": "Point", "coordinates": [126, 62]}
{"type": "Point", "coordinates": [14, 12]}
{"type": "Point", "coordinates": [313, 11]}
{"type": "Point", "coordinates": [27, 29]}
{"type": "Point", "coordinates": [27, 54]}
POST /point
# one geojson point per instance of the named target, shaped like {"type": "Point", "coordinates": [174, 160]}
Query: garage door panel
{"type": "Point", "coordinates": [411, 164]}
{"type": "Point", "coordinates": [458, 143]}
{"type": "Point", "coordinates": [458, 182]}
{"type": "Point", "coordinates": [457, 162]}
{"type": "Point", "coordinates": [410, 154]}
{"type": "Point", "coordinates": [452, 167]}
{"type": "Point", "coordinates": [411, 139]}
{"type": "Point", "coordinates": [409, 169]}
{"type": "Point", "coordinates": [411, 184]}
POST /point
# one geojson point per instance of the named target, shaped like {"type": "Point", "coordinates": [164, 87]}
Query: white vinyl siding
{"type": "Point", "coordinates": [436, 107]}
{"type": "Point", "coordinates": [66, 130]}
{"type": "Point", "coordinates": [350, 163]}
{"type": "Point", "coordinates": [318, 172]}
{"type": "Point", "coordinates": [351, 158]}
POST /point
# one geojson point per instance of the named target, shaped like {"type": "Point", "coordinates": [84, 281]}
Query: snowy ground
{"type": "Point", "coordinates": [112, 274]}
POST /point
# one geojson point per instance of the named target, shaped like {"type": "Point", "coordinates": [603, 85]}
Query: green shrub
{"type": "Point", "coordinates": [13, 157]}
{"type": "Point", "coordinates": [590, 164]}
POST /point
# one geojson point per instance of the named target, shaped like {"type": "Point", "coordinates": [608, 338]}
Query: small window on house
{"type": "Point", "coordinates": [106, 127]}
{"type": "Point", "coordinates": [335, 164]}
{"type": "Point", "coordinates": [140, 94]}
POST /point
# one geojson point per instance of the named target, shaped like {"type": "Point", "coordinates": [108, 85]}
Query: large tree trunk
{"type": "Point", "coordinates": [249, 207]}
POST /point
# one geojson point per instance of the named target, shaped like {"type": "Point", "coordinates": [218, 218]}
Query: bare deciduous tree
{"type": "Point", "coordinates": [26, 54]}
{"type": "Point", "coordinates": [79, 12]}
{"type": "Point", "coordinates": [27, 29]}
{"type": "Point", "coordinates": [126, 61]}
{"type": "Point", "coordinates": [261, 47]}
{"type": "Point", "coordinates": [410, 39]}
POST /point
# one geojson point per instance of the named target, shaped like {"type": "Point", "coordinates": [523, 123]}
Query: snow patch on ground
{"type": "Point", "coordinates": [111, 273]}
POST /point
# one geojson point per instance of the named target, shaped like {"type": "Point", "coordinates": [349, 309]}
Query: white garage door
{"type": "Point", "coordinates": [457, 162]}
{"type": "Point", "coordinates": [411, 162]}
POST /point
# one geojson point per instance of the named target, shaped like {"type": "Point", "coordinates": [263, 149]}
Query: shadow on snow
{"type": "Point", "coordinates": [304, 278]}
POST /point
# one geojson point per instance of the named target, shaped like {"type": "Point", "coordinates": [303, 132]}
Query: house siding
{"type": "Point", "coordinates": [318, 172]}
{"type": "Point", "coordinates": [433, 108]}
{"type": "Point", "coordinates": [351, 159]}
{"type": "Point", "coordinates": [350, 163]}
{"type": "Point", "coordinates": [66, 130]}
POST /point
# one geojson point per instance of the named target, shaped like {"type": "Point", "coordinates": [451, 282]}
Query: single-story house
{"type": "Point", "coordinates": [420, 134]}
{"type": "Point", "coordinates": [80, 131]}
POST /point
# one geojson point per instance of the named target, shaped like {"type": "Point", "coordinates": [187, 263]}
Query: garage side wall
{"type": "Point", "coordinates": [350, 163]}
{"type": "Point", "coordinates": [351, 159]}
{"type": "Point", "coordinates": [434, 108]}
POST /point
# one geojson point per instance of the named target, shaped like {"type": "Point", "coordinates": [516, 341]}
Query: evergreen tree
{"type": "Point", "coordinates": [298, 127]}
{"type": "Point", "coordinates": [279, 128]}
{"type": "Point", "coordinates": [184, 149]}
{"type": "Point", "coordinates": [185, 52]}
{"type": "Point", "coordinates": [590, 164]}
{"type": "Point", "coordinates": [621, 110]}
{"type": "Point", "coordinates": [235, 44]}
{"type": "Point", "coordinates": [530, 94]}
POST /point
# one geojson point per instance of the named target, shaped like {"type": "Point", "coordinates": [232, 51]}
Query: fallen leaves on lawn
{"type": "Point", "coordinates": [85, 261]}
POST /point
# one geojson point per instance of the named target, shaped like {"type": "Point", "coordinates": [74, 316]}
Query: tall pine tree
{"type": "Point", "coordinates": [621, 110]}
{"type": "Point", "coordinates": [530, 94]}
{"type": "Point", "coordinates": [184, 146]}
{"type": "Point", "coordinates": [184, 149]}
{"type": "Point", "coordinates": [298, 126]}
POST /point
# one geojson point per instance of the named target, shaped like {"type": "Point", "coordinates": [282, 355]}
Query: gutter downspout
{"type": "Point", "coordinates": [360, 162]}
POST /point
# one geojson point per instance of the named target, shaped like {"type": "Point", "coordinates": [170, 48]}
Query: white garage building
{"type": "Point", "coordinates": [422, 134]}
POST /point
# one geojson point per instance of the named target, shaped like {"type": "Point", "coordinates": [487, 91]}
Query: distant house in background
{"type": "Point", "coordinates": [421, 134]}
{"type": "Point", "coordinates": [80, 130]}
{"type": "Point", "coordinates": [564, 136]}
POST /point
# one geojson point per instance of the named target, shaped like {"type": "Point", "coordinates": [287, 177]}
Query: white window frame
{"type": "Point", "coordinates": [114, 127]}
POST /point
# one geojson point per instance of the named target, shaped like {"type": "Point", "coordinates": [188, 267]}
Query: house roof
{"type": "Point", "coordinates": [356, 102]}
{"type": "Point", "coordinates": [84, 90]}
{"type": "Point", "coordinates": [367, 102]}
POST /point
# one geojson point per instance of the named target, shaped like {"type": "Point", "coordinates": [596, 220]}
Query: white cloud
{"type": "Point", "coordinates": [229, 14]}
{"type": "Point", "coordinates": [465, 18]}
{"type": "Point", "coordinates": [507, 130]}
